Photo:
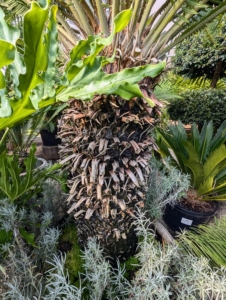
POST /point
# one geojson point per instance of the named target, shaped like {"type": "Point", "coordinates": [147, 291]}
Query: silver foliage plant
{"type": "Point", "coordinates": [166, 185]}
{"type": "Point", "coordinates": [164, 273]}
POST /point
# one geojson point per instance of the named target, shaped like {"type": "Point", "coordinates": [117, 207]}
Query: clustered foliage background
{"type": "Point", "coordinates": [198, 106]}
{"type": "Point", "coordinates": [203, 53]}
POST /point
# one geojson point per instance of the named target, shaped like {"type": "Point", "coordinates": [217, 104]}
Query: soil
{"type": "Point", "coordinates": [197, 205]}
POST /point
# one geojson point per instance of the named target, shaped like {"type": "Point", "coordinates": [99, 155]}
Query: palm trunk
{"type": "Point", "coordinates": [108, 144]}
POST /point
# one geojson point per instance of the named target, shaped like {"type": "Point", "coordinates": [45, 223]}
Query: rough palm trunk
{"type": "Point", "coordinates": [107, 142]}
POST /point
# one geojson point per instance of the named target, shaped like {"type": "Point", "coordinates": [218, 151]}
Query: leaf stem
{"type": "Point", "coordinates": [4, 136]}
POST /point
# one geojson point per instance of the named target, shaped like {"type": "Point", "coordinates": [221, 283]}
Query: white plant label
{"type": "Point", "coordinates": [186, 221]}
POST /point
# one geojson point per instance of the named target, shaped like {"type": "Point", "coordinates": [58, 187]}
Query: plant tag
{"type": "Point", "coordinates": [186, 221]}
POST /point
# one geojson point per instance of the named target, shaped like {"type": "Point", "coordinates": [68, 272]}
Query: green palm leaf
{"type": "Point", "coordinates": [208, 241]}
{"type": "Point", "coordinates": [195, 138]}
{"type": "Point", "coordinates": [215, 162]}
{"type": "Point", "coordinates": [205, 139]}
{"type": "Point", "coordinates": [219, 138]}
{"type": "Point", "coordinates": [174, 146]}
{"type": "Point", "coordinates": [193, 165]}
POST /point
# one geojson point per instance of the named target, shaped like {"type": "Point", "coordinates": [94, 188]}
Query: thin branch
{"type": "Point", "coordinates": [154, 16]}
{"type": "Point", "coordinates": [115, 11]}
{"type": "Point", "coordinates": [65, 34]}
{"type": "Point", "coordinates": [134, 18]}
{"type": "Point", "coordinates": [89, 13]}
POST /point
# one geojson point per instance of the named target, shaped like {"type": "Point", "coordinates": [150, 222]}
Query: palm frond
{"type": "Point", "coordinates": [219, 138]}
{"type": "Point", "coordinates": [208, 241]}
{"type": "Point", "coordinates": [200, 24]}
{"type": "Point", "coordinates": [205, 139]}
{"type": "Point", "coordinates": [216, 162]}
{"type": "Point", "coordinates": [193, 165]}
{"type": "Point", "coordinates": [146, 31]}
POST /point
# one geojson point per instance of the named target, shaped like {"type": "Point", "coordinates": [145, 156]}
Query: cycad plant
{"type": "Point", "coordinates": [200, 154]}
{"type": "Point", "coordinates": [108, 139]}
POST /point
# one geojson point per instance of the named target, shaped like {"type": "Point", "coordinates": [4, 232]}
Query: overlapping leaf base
{"type": "Point", "coordinates": [107, 144]}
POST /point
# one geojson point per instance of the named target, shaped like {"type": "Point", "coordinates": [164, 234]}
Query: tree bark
{"type": "Point", "coordinates": [216, 74]}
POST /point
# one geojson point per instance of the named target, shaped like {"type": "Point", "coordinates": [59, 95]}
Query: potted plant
{"type": "Point", "coordinates": [48, 131]}
{"type": "Point", "coordinates": [202, 155]}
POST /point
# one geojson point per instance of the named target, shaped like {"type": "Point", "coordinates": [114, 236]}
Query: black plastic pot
{"type": "Point", "coordinates": [49, 138]}
{"type": "Point", "coordinates": [179, 218]}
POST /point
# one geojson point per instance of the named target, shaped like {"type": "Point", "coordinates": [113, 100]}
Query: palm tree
{"type": "Point", "coordinates": [107, 140]}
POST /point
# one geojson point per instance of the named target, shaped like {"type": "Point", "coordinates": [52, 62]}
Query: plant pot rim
{"type": "Point", "coordinates": [42, 166]}
{"type": "Point", "coordinates": [195, 213]}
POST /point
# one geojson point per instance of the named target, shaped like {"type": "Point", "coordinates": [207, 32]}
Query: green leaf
{"type": "Point", "coordinates": [84, 76]}
{"type": "Point", "coordinates": [11, 34]}
{"type": "Point", "coordinates": [3, 270]}
{"type": "Point", "coordinates": [219, 138]}
{"type": "Point", "coordinates": [46, 89]}
{"type": "Point", "coordinates": [13, 184]}
{"type": "Point", "coordinates": [7, 53]}
{"type": "Point", "coordinates": [110, 83]}
{"type": "Point", "coordinates": [5, 110]}
{"type": "Point", "coordinates": [205, 139]}
{"type": "Point", "coordinates": [29, 237]}
{"type": "Point", "coordinates": [216, 162]}
{"type": "Point", "coordinates": [194, 168]}
{"type": "Point", "coordinates": [206, 240]}
{"type": "Point", "coordinates": [5, 236]}
{"type": "Point", "coordinates": [35, 57]}
{"type": "Point", "coordinates": [173, 140]}
{"type": "Point", "coordinates": [195, 138]}
{"type": "Point", "coordinates": [122, 20]}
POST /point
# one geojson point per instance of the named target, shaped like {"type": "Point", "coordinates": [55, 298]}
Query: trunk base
{"type": "Point", "coordinates": [115, 246]}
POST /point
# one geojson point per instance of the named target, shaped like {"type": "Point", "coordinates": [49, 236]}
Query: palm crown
{"type": "Point", "coordinates": [148, 34]}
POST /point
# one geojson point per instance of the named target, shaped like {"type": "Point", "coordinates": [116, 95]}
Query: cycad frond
{"type": "Point", "coordinates": [205, 140]}
{"type": "Point", "coordinates": [200, 24]}
{"type": "Point", "coordinates": [219, 138]}
{"type": "Point", "coordinates": [152, 32]}
{"type": "Point", "coordinates": [216, 162]}
{"type": "Point", "coordinates": [207, 240]}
